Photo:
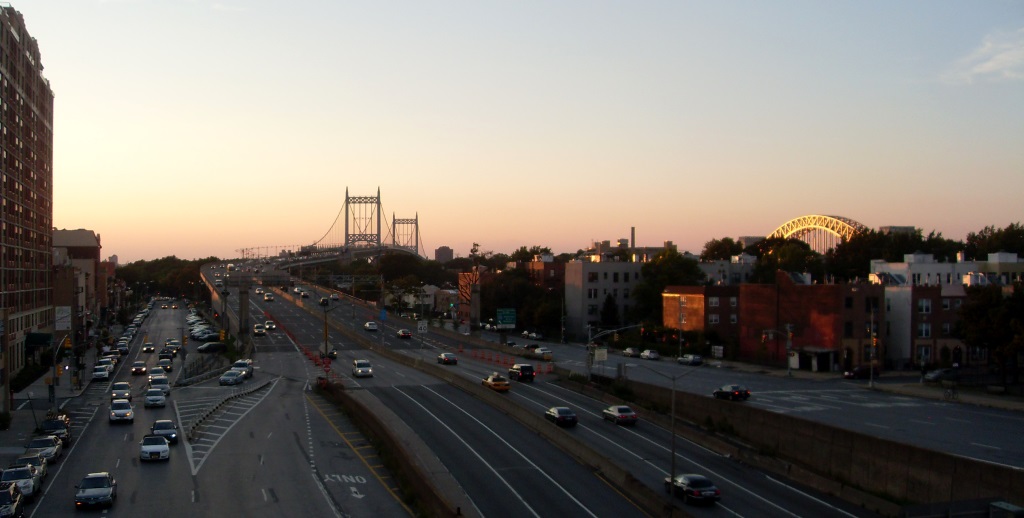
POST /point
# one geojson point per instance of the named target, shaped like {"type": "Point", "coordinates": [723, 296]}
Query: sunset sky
{"type": "Point", "coordinates": [196, 128]}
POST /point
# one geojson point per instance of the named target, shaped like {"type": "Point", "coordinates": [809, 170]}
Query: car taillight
{"type": "Point", "coordinates": [717, 492]}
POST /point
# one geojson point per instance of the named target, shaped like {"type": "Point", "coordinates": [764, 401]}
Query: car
{"type": "Point", "coordinates": [259, 330]}
{"type": "Point", "coordinates": [174, 306]}
{"type": "Point", "coordinates": [165, 306]}
{"type": "Point", "coordinates": [404, 333]}
{"type": "Point", "coordinates": [96, 489]}
{"type": "Point", "coordinates": [270, 325]}
{"type": "Point", "coordinates": [297, 290]}
{"type": "Point", "coordinates": [121, 411]}
{"type": "Point", "coordinates": [48, 446]}
{"type": "Point", "coordinates": [333, 354]}
{"type": "Point", "coordinates": [650, 354]}
{"type": "Point", "coordinates": [497, 382]}
{"type": "Point", "coordinates": [861, 372]}
{"type": "Point", "coordinates": [731, 392]}
{"type": "Point", "coordinates": [259, 291]}
{"type": "Point", "coordinates": [268, 297]}
{"type": "Point", "coordinates": [243, 366]}
{"type": "Point", "coordinates": [370, 326]}
{"type": "Point", "coordinates": [106, 363]}
{"type": "Point", "coordinates": [335, 297]}
{"type": "Point", "coordinates": [12, 504]}
{"type": "Point", "coordinates": [138, 368]}
{"type": "Point", "coordinates": [522, 372]}
{"type": "Point", "coordinates": [57, 425]}
{"type": "Point", "coordinates": [324, 301]}
{"type": "Point", "coordinates": [154, 447]}
{"type": "Point", "coordinates": [148, 347]}
{"type": "Point", "coordinates": [690, 359]}
{"type": "Point", "coordinates": [693, 488]}
{"type": "Point", "coordinates": [362, 368]}
{"type": "Point", "coordinates": [620, 414]}
{"type": "Point", "coordinates": [166, 364]}
{"type": "Point", "coordinates": [542, 353]}
{"type": "Point", "coordinates": [26, 478]}
{"type": "Point", "coordinates": [562, 416]}
{"type": "Point", "coordinates": [166, 353]}
{"type": "Point", "coordinates": [212, 347]}
{"type": "Point", "coordinates": [631, 352]}
{"type": "Point", "coordinates": [165, 428]}
{"type": "Point", "coordinates": [154, 397]}
{"type": "Point", "coordinates": [304, 294]}
{"type": "Point", "coordinates": [447, 359]}
{"type": "Point", "coordinates": [160, 382]}
{"type": "Point", "coordinates": [231, 377]}
{"type": "Point", "coordinates": [100, 373]}
{"type": "Point", "coordinates": [35, 460]}
{"type": "Point", "coordinates": [209, 334]}
{"type": "Point", "coordinates": [947, 374]}
{"type": "Point", "coordinates": [122, 349]}
{"type": "Point", "coordinates": [121, 390]}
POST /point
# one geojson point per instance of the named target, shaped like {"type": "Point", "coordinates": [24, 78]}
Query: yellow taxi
{"type": "Point", "coordinates": [497, 382]}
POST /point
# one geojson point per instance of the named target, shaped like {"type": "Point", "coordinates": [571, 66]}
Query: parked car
{"type": "Point", "coordinates": [59, 426]}
{"type": "Point", "coordinates": [522, 372]}
{"type": "Point", "coordinates": [650, 354]}
{"type": "Point", "coordinates": [631, 352]}
{"type": "Point", "coordinates": [11, 502]}
{"type": "Point", "coordinates": [212, 347]}
{"type": "Point", "coordinates": [447, 359]}
{"type": "Point", "coordinates": [732, 392]}
{"type": "Point", "coordinates": [36, 461]}
{"type": "Point", "coordinates": [497, 382]}
{"type": "Point", "coordinates": [47, 446]}
{"type": "Point", "coordinates": [947, 374]}
{"type": "Point", "coordinates": [690, 359]}
{"type": "Point", "coordinates": [165, 428]}
{"type": "Point", "coordinates": [26, 478]}
{"type": "Point", "coordinates": [619, 414]}
{"type": "Point", "coordinates": [861, 372]}
{"type": "Point", "coordinates": [693, 488]}
{"type": "Point", "coordinates": [562, 416]}
{"type": "Point", "coordinates": [154, 447]}
{"type": "Point", "coordinates": [96, 489]}
{"type": "Point", "coordinates": [370, 326]}
{"type": "Point", "coordinates": [362, 368]}
{"type": "Point", "coordinates": [100, 373]}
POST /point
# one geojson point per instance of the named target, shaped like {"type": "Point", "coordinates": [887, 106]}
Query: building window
{"type": "Point", "coordinates": [592, 277]}
{"type": "Point", "coordinates": [924, 306]}
{"type": "Point", "coordinates": [848, 303]}
{"type": "Point", "coordinates": [615, 277]}
{"type": "Point", "coordinates": [946, 304]}
{"type": "Point", "coordinates": [712, 302]}
{"type": "Point", "coordinates": [848, 329]}
{"type": "Point", "coordinates": [682, 301]}
{"type": "Point", "coordinates": [733, 318]}
{"type": "Point", "coordinates": [591, 293]}
{"type": "Point", "coordinates": [956, 303]}
{"type": "Point", "coordinates": [713, 319]}
{"type": "Point", "coordinates": [615, 293]}
{"type": "Point", "coordinates": [946, 328]}
{"type": "Point", "coordinates": [625, 293]}
{"type": "Point", "coordinates": [924, 330]}
{"type": "Point", "coordinates": [732, 302]}
{"type": "Point", "coordinates": [606, 276]}
{"type": "Point", "coordinates": [592, 309]}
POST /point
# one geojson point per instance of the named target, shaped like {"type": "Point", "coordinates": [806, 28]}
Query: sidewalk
{"type": "Point", "coordinates": [896, 383]}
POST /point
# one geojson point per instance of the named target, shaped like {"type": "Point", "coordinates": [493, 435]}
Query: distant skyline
{"type": "Point", "coordinates": [195, 128]}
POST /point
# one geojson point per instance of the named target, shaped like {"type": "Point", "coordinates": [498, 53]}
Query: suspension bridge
{"type": "Point", "coordinates": [360, 230]}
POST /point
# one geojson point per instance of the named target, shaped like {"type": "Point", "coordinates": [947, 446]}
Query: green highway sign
{"type": "Point", "coordinates": [506, 318]}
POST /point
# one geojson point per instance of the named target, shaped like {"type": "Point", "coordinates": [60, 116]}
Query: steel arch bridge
{"type": "Point", "coordinates": [823, 233]}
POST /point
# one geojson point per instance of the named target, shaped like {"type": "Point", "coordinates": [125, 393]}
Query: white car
{"type": "Point", "coordinates": [48, 447]}
{"type": "Point", "coordinates": [650, 354]}
{"type": "Point", "coordinates": [27, 479]}
{"type": "Point", "coordinates": [100, 373]}
{"type": "Point", "coordinates": [154, 397]}
{"type": "Point", "coordinates": [243, 366]}
{"type": "Point", "coordinates": [121, 410]}
{"type": "Point", "coordinates": [154, 447]}
{"type": "Point", "coordinates": [362, 368]}
{"type": "Point", "coordinates": [370, 326]}
{"type": "Point", "coordinates": [162, 383]}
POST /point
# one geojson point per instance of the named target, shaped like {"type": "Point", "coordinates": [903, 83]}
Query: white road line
{"type": "Point", "coordinates": [921, 422]}
{"type": "Point", "coordinates": [986, 446]}
{"type": "Point", "coordinates": [805, 495]}
{"type": "Point", "coordinates": [877, 426]}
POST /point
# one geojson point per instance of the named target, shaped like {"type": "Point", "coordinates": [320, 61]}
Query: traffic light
{"type": "Point", "coordinates": [874, 341]}
{"type": "Point", "coordinates": [222, 334]}
{"type": "Point", "coordinates": [67, 342]}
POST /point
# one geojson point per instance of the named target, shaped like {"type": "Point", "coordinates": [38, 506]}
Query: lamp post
{"type": "Point", "coordinates": [326, 305]}
{"type": "Point", "coordinates": [224, 305]}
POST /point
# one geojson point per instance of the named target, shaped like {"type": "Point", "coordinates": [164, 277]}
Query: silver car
{"type": "Point", "coordinates": [154, 397]}
{"type": "Point", "coordinates": [27, 479]}
{"type": "Point", "coordinates": [121, 410]}
{"type": "Point", "coordinates": [48, 446]}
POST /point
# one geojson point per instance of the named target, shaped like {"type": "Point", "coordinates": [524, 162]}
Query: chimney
{"type": "Point", "coordinates": [632, 237]}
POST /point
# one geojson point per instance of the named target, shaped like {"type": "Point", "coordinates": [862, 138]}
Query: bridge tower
{"type": "Point", "coordinates": [406, 232]}
{"type": "Point", "coordinates": [363, 213]}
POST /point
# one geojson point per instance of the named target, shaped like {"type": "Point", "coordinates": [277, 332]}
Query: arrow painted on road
{"type": "Point", "coordinates": [356, 493]}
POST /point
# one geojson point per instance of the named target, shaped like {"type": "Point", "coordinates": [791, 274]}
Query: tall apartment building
{"type": "Point", "coordinates": [26, 215]}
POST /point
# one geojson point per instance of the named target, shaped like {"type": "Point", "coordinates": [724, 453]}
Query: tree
{"type": "Point", "coordinates": [791, 255]}
{"type": "Point", "coordinates": [991, 240]}
{"type": "Point", "coordinates": [668, 268]}
{"type": "Point", "coordinates": [720, 249]}
{"type": "Point", "coordinates": [525, 255]}
{"type": "Point", "coordinates": [993, 321]}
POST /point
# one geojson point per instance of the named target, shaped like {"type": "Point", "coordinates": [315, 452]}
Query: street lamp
{"type": "Point", "coordinates": [224, 305]}
{"type": "Point", "coordinates": [324, 303]}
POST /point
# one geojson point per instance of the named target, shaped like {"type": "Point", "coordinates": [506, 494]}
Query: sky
{"type": "Point", "coordinates": [196, 128]}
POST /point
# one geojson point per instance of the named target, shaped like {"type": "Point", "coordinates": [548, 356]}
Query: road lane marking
{"type": "Point", "coordinates": [986, 446]}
